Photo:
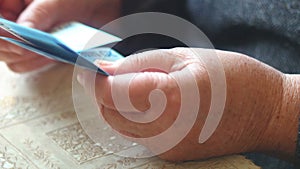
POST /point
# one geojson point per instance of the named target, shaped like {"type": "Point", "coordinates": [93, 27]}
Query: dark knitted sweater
{"type": "Point", "coordinates": [268, 30]}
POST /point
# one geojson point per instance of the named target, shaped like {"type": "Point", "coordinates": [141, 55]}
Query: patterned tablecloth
{"type": "Point", "coordinates": [39, 129]}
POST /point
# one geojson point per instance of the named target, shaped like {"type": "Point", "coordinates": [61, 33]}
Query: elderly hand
{"type": "Point", "coordinates": [252, 120]}
{"type": "Point", "coordinates": [44, 15]}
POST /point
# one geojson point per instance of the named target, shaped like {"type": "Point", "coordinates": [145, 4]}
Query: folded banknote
{"type": "Point", "coordinates": [73, 43]}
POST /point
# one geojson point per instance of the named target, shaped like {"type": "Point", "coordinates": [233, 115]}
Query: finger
{"type": "Point", "coordinates": [151, 61]}
{"type": "Point", "coordinates": [108, 66]}
{"type": "Point", "coordinates": [29, 65]}
{"type": "Point", "coordinates": [115, 89]}
{"type": "Point", "coordinates": [9, 57]}
{"type": "Point", "coordinates": [9, 15]}
{"type": "Point", "coordinates": [9, 47]}
{"type": "Point", "coordinates": [132, 129]}
{"type": "Point", "coordinates": [145, 72]}
{"type": "Point", "coordinates": [41, 15]}
{"type": "Point", "coordinates": [87, 79]}
{"type": "Point", "coordinates": [27, 2]}
{"type": "Point", "coordinates": [119, 123]}
{"type": "Point", "coordinates": [10, 9]}
{"type": "Point", "coordinates": [141, 78]}
{"type": "Point", "coordinates": [20, 60]}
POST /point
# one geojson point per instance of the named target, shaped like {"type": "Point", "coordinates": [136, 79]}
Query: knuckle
{"type": "Point", "coordinates": [41, 11]}
{"type": "Point", "coordinates": [15, 68]}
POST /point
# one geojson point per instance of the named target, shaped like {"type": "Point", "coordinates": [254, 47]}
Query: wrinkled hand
{"type": "Point", "coordinates": [253, 92]}
{"type": "Point", "coordinates": [44, 15]}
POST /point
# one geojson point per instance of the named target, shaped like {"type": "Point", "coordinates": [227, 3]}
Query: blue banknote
{"type": "Point", "coordinates": [73, 43]}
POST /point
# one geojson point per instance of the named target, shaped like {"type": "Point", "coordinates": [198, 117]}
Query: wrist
{"type": "Point", "coordinates": [283, 124]}
{"type": "Point", "coordinates": [254, 96]}
{"type": "Point", "coordinates": [291, 110]}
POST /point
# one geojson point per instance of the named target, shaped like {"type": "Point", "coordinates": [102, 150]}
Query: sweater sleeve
{"type": "Point", "coordinates": [144, 41]}
{"type": "Point", "coordinates": [268, 30]}
{"type": "Point", "coordinates": [177, 7]}
{"type": "Point", "coordinates": [278, 16]}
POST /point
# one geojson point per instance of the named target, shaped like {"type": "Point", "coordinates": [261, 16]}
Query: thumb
{"type": "Point", "coordinates": [158, 61]}
{"type": "Point", "coordinates": [42, 15]}
{"type": "Point", "coordinates": [108, 66]}
{"type": "Point", "coordinates": [139, 74]}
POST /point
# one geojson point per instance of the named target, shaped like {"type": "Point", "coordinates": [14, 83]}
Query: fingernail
{"type": "Point", "coordinates": [105, 63]}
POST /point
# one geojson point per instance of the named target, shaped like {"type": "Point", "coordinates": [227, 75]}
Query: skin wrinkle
{"type": "Point", "coordinates": [141, 63]}
{"type": "Point", "coordinates": [157, 84]}
{"type": "Point", "coordinates": [276, 110]}
{"type": "Point", "coordinates": [132, 127]}
{"type": "Point", "coordinates": [105, 97]}
{"type": "Point", "coordinates": [291, 102]}
{"type": "Point", "coordinates": [244, 104]}
{"type": "Point", "coordinates": [137, 93]}
{"type": "Point", "coordinates": [186, 59]}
